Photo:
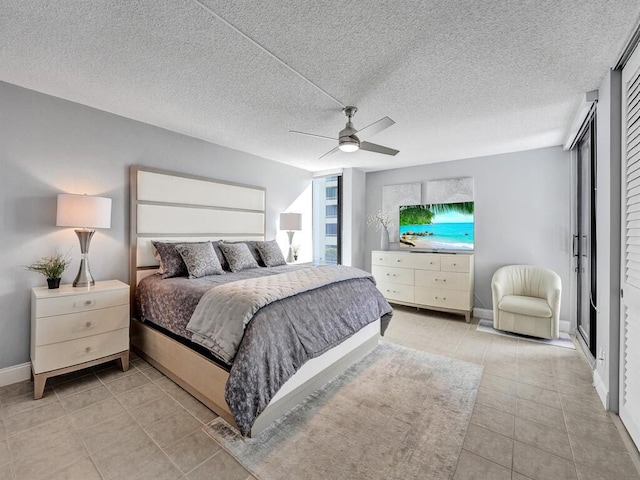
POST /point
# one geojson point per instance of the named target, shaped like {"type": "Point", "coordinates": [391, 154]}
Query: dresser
{"type": "Point", "coordinates": [75, 328]}
{"type": "Point", "coordinates": [434, 281]}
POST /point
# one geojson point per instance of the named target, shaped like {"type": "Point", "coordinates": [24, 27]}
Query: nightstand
{"type": "Point", "coordinates": [75, 328]}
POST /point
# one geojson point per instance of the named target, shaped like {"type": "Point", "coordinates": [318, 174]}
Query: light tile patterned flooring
{"type": "Point", "coordinates": [536, 417]}
{"type": "Point", "coordinates": [103, 423]}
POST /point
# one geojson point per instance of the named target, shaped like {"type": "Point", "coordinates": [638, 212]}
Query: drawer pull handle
{"type": "Point", "coordinates": [86, 303]}
{"type": "Point", "coordinates": [455, 264]}
{"type": "Point", "coordinates": [436, 298]}
{"type": "Point", "coordinates": [87, 350]}
{"type": "Point", "coordinates": [444, 298]}
{"type": "Point", "coordinates": [398, 260]}
{"type": "Point", "coordinates": [88, 324]}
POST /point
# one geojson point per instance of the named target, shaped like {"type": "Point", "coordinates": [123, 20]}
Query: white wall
{"type": "Point", "coordinates": [608, 130]}
{"type": "Point", "coordinates": [49, 146]}
{"type": "Point", "coordinates": [353, 217]}
{"type": "Point", "coordinates": [522, 211]}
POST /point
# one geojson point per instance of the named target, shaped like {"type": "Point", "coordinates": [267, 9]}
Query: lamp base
{"type": "Point", "coordinates": [84, 277]}
{"type": "Point", "coordinates": [290, 258]}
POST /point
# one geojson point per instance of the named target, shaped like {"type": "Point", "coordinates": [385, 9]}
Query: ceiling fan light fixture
{"type": "Point", "coordinates": [349, 143]}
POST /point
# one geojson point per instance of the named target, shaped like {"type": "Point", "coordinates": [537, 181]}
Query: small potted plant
{"type": "Point", "coordinates": [51, 267]}
{"type": "Point", "coordinates": [296, 249]}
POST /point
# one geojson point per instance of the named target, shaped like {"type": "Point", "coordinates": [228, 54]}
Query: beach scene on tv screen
{"type": "Point", "coordinates": [438, 226]}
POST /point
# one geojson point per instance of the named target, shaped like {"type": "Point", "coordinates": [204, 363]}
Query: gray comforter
{"type": "Point", "coordinates": [222, 314]}
{"type": "Point", "coordinates": [279, 339]}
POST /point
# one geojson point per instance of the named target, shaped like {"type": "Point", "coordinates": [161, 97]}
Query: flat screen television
{"type": "Point", "coordinates": [437, 227]}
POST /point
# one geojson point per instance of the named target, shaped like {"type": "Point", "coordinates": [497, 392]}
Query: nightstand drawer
{"type": "Point", "coordinates": [401, 293]}
{"type": "Point", "coordinates": [73, 352]}
{"type": "Point", "coordinates": [77, 325]}
{"type": "Point", "coordinates": [81, 302]}
{"type": "Point", "coordinates": [403, 276]}
{"type": "Point", "coordinates": [446, 280]}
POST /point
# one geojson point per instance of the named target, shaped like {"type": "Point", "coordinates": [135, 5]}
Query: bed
{"type": "Point", "coordinates": [171, 207]}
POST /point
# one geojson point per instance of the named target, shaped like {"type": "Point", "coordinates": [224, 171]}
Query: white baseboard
{"type": "Point", "coordinates": [601, 389]}
{"type": "Point", "coordinates": [487, 314]}
{"type": "Point", "coordinates": [483, 313]}
{"type": "Point", "coordinates": [15, 374]}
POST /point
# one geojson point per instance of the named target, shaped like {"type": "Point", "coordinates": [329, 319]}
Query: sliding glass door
{"type": "Point", "coordinates": [584, 247]}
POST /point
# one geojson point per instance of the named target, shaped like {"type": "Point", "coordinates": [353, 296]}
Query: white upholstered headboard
{"type": "Point", "coordinates": [171, 206]}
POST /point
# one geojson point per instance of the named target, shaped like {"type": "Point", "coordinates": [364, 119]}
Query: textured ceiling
{"type": "Point", "coordinates": [461, 79]}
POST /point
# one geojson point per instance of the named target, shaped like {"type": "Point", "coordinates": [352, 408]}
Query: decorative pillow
{"type": "Point", "coordinates": [156, 255]}
{"type": "Point", "coordinates": [238, 256]}
{"type": "Point", "coordinates": [200, 259]}
{"type": "Point", "coordinates": [216, 248]}
{"type": "Point", "coordinates": [171, 263]}
{"type": "Point", "coordinates": [271, 253]}
{"type": "Point", "coordinates": [252, 244]}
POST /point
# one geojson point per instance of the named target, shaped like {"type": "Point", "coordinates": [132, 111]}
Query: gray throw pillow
{"type": "Point", "coordinates": [216, 248]}
{"type": "Point", "coordinates": [171, 263]}
{"type": "Point", "coordinates": [200, 258]}
{"type": "Point", "coordinates": [253, 248]}
{"type": "Point", "coordinates": [238, 256]}
{"type": "Point", "coordinates": [271, 253]}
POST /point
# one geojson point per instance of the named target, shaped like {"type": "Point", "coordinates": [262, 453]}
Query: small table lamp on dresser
{"type": "Point", "coordinates": [290, 222]}
{"type": "Point", "coordinates": [86, 212]}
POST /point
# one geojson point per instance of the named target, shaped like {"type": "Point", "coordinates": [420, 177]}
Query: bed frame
{"type": "Point", "coordinates": [170, 206]}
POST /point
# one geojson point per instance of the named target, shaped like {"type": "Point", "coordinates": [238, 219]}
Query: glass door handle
{"type": "Point", "coordinates": [574, 245]}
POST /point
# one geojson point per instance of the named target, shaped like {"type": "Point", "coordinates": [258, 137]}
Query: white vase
{"type": "Point", "coordinates": [384, 239]}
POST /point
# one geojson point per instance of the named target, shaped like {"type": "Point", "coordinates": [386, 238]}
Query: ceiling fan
{"type": "Point", "coordinates": [349, 142]}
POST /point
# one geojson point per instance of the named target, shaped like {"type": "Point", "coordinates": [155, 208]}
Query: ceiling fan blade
{"type": "Point", "coordinates": [372, 147]}
{"type": "Point", "coordinates": [313, 135]}
{"type": "Point", "coordinates": [375, 127]}
{"type": "Point", "coordinates": [330, 152]}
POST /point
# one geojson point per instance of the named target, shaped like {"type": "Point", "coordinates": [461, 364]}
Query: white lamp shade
{"type": "Point", "coordinates": [290, 221]}
{"type": "Point", "coordinates": [83, 211]}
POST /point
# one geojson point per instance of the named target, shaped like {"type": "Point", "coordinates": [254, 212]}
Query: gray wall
{"type": "Point", "coordinates": [50, 146]}
{"type": "Point", "coordinates": [522, 211]}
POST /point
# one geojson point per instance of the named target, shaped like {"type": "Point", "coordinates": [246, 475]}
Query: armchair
{"type": "Point", "coordinates": [526, 300]}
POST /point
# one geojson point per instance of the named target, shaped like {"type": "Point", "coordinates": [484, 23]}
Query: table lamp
{"type": "Point", "coordinates": [87, 213]}
{"type": "Point", "coordinates": [290, 222]}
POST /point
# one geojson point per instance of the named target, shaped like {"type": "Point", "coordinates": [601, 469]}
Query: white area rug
{"type": "Point", "coordinates": [563, 341]}
{"type": "Point", "coordinates": [397, 414]}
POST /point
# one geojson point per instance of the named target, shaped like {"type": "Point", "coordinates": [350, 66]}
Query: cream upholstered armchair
{"type": "Point", "coordinates": [526, 300]}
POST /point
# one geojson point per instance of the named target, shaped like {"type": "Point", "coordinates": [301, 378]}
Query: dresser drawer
{"type": "Point", "coordinates": [47, 307]}
{"type": "Point", "coordinates": [425, 261]}
{"type": "Point", "coordinates": [402, 276]}
{"type": "Point", "coordinates": [444, 280]}
{"type": "Point", "coordinates": [401, 293]}
{"type": "Point", "coordinates": [455, 263]}
{"type": "Point", "coordinates": [453, 299]}
{"type": "Point", "coordinates": [83, 324]}
{"type": "Point", "coordinates": [391, 259]}
{"type": "Point", "coordinates": [73, 352]}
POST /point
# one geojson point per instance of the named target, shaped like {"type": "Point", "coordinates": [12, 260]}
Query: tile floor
{"type": "Point", "coordinates": [103, 423]}
{"type": "Point", "coordinates": [536, 417]}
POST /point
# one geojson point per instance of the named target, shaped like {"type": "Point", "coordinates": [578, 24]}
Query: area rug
{"type": "Point", "coordinates": [398, 413]}
{"type": "Point", "coordinates": [563, 341]}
